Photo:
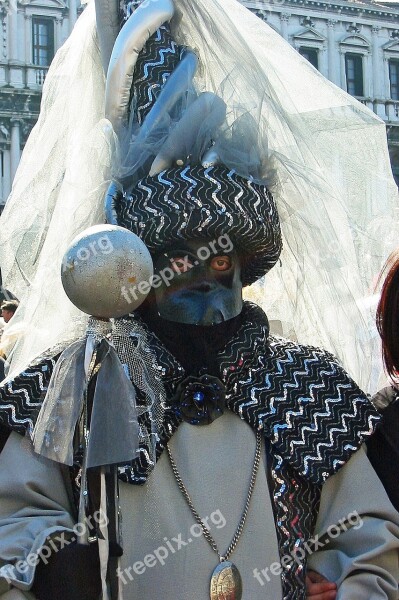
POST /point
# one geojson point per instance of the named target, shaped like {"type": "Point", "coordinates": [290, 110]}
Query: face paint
{"type": "Point", "coordinates": [205, 288]}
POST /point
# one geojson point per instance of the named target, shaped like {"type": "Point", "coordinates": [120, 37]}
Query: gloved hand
{"type": "Point", "coordinates": [72, 573]}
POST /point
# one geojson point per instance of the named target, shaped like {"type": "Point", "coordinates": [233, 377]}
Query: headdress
{"type": "Point", "coordinates": [320, 153]}
{"type": "Point", "coordinates": [168, 209]}
{"type": "Point", "coordinates": [178, 181]}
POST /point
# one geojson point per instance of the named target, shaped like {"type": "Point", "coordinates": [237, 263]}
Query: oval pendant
{"type": "Point", "coordinates": [226, 582]}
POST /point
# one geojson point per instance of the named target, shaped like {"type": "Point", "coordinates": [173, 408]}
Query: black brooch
{"type": "Point", "coordinates": [199, 400]}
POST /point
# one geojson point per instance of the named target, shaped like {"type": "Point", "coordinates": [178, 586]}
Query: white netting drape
{"type": "Point", "coordinates": [336, 197]}
{"type": "Point", "coordinates": [58, 191]}
{"type": "Point", "coordinates": [331, 178]}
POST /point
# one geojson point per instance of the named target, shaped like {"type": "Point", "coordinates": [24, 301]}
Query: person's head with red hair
{"type": "Point", "coordinates": [388, 316]}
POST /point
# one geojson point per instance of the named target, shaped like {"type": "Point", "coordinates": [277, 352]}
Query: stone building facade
{"type": "Point", "coordinates": [31, 32]}
{"type": "Point", "coordinates": [354, 43]}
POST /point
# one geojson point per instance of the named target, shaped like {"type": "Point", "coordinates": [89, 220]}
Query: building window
{"type": "Point", "coordinates": [43, 41]}
{"type": "Point", "coordinates": [311, 54]}
{"type": "Point", "coordinates": [354, 74]}
{"type": "Point", "coordinates": [394, 78]}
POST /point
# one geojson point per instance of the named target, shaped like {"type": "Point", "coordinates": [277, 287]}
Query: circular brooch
{"type": "Point", "coordinates": [199, 400]}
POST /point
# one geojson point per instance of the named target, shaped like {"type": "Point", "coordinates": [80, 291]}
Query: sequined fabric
{"type": "Point", "coordinates": [133, 344]}
{"type": "Point", "coordinates": [156, 62]}
{"type": "Point", "coordinates": [21, 398]}
{"type": "Point", "coordinates": [313, 415]}
{"type": "Point", "coordinates": [193, 202]}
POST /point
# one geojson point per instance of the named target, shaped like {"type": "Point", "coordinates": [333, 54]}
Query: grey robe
{"type": "Point", "coordinates": [35, 501]}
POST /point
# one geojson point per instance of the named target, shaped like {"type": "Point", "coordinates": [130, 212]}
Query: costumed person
{"type": "Point", "coordinates": [227, 456]}
{"type": "Point", "coordinates": [383, 446]}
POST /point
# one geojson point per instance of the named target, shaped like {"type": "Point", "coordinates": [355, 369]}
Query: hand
{"type": "Point", "coordinates": [319, 588]}
{"type": "Point", "coordinates": [71, 573]}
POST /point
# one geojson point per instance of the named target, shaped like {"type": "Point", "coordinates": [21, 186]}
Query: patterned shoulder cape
{"type": "Point", "coordinates": [313, 415]}
{"type": "Point", "coordinates": [312, 412]}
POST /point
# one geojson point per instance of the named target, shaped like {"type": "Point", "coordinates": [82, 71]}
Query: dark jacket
{"type": "Point", "coordinates": [383, 446]}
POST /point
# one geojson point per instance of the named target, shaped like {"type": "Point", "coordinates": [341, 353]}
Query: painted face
{"type": "Point", "coordinates": [206, 287]}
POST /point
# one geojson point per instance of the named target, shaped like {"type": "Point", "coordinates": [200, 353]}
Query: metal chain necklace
{"type": "Point", "coordinates": [226, 583]}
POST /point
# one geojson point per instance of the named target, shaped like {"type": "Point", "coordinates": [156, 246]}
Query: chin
{"type": "Point", "coordinates": [213, 319]}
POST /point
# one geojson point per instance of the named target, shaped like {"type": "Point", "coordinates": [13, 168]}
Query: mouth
{"type": "Point", "coordinates": [203, 287]}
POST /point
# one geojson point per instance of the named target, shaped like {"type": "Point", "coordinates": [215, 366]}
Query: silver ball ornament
{"type": "Point", "coordinates": [106, 272]}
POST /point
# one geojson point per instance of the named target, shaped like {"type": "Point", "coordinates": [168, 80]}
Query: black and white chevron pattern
{"type": "Point", "coordinates": [193, 202]}
{"type": "Point", "coordinates": [296, 505]}
{"type": "Point", "coordinates": [22, 398]}
{"type": "Point", "coordinates": [155, 63]}
{"type": "Point", "coordinates": [302, 397]}
{"type": "Point", "coordinates": [126, 8]}
{"type": "Point", "coordinates": [313, 415]}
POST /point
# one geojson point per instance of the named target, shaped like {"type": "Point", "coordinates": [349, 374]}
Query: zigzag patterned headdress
{"type": "Point", "coordinates": [176, 186]}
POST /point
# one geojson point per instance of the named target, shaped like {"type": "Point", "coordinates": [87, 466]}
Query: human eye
{"type": "Point", "coordinates": [221, 263]}
{"type": "Point", "coordinates": [181, 264]}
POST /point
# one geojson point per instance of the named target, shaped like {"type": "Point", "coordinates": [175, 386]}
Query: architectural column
{"type": "Point", "coordinates": [368, 76]}
{"type": "Point", "coordinates": [15, 151]}
{"type": "Point", "coordinates": [2, 195]}
{"type": "Point", "coordinates": [386, 83]}
{"type": "Point", "coordinates": [374, 54]}
{"type": "Point", "coordinates": [21, 36]}
{"type": "Point", "coordinates": [4, 50]}
{"type": "Point", "coordinates": [4, 33]}
{"type": "Point", "coordinates": [7, 174]}
{"type": "Point", "coordinates": [323, 61]}
{"type": "Point", "coordinates": [15, 39]}
{"type": "Point", "coordinates": [342, 82]}
{"type": "Point", "coordinates": [13, 33]}
{"type": "Point", "coordinates": [332, 65]}
{"type": "Point", "coordinates": [58, 33]}
{"type": "Point", "coordinates": [284, 18]}
{"type": "Point", "coordinates": [72, 14]}
{"type": "Point", "coordinates": [28, 38]}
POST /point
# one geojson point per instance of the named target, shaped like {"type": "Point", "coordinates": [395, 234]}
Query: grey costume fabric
{"type": "Point", "coordinates": [371, 548]}
{"type": "Point", "coordinates": [35, 502]}
{"type": "Point", "coordinates": [284, 376]}
{"type": "Point", "coordinates": [226, 451]}
{"type": "Point", "coordinates": [16, 594]}
{"type": "Point", "coordinates": [366, 555]}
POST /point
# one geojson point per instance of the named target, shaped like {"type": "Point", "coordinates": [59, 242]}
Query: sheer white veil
{"type": "Point", "coordinates": [324, 156]}
{"type": "Point", "coordinates": [58, 191]}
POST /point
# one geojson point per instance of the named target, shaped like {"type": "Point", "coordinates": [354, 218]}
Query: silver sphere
{"type": "Point", "coordinates": [106, 272]}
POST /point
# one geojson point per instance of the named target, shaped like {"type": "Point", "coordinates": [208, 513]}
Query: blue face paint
{"type": "Point", "coordinates": [201, 283]}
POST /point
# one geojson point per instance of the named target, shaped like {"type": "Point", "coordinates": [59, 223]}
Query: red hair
{"type": "Point", "coordinates": [388, 315]}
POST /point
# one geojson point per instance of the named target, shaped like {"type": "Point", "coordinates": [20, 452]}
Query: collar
{"type": "Point", "coordinates": [313, 414]}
